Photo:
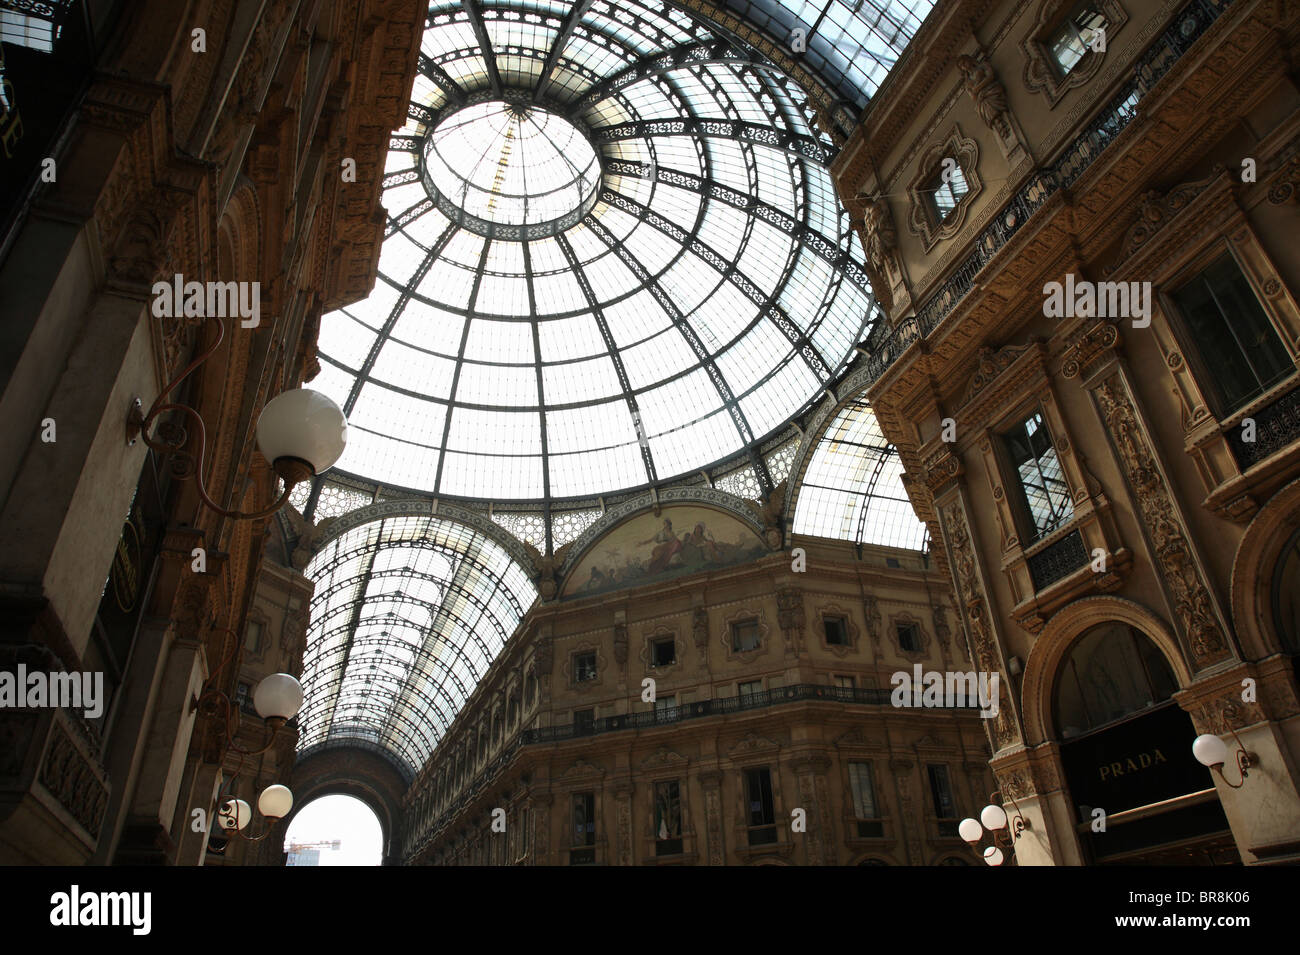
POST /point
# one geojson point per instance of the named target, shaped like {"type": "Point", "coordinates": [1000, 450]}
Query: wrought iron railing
{"type": "Point", "coordinates": [1277, 426]}
{"type": "Point", "coordinates": [1187, 27]}
{"type": "Point", "coordinates": [1057, 560]}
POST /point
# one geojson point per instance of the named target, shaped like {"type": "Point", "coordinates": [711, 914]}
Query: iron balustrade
{"type": "Point", "coordinates": [1057, 560]}
{"type": "Point", "coordinates": [1277, 426]}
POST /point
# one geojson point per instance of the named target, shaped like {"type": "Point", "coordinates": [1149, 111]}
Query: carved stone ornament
{"type": "Point", "coordinates": [1157, 210]}
{"type": "Point", "coordinates": [965, 152]}
{"type": "Point", "coordinates": [620, 643]}
{"type": "Point", "coordinates": [990, 98]}
{"type": "Point", "coordinates": [1191, 598]}
{"type": "Point", "coordinates": [941, 467]}
{"type": "Point", "coordinates": [1041, 73]}
{"type": "Point", "coordinates": [1089, 347]}
{"type": "Point", "coordinates": [700, 627]}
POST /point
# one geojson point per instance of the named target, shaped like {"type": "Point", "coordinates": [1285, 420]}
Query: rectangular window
{"type": "Point", "coordinates": [749, 688]}
{"type": "Point", "coordinates": [1043, 494]}
{"type": "Point", "coordinates": [909, 637]}
{"type": "Point", "coordinates": [844, 682]}
{"type": "Point", "coordinates": [666, 707]}
{"type": "Point", "coordinates": [584, 667]}
{"type": "Point", "coordinates": [252, 637]}
{"type": "Point", "coordinates": [744, 635]}
{"type": "Point", "coordinates": [1070, 42]}
{"type": "Point", "coordinates": [668, 818]}
{"type": "Point", "coordinates": [945, 808]}
{"type": "Point", "coordinates": [865, 811]}
{"type": "Point", "coordinates": [944, 191]}
{"type": "Point", "coordinates": [584, 721]}
{"type": "Point", "coordinates": [1240, 352]}
{"type": "Point", "coordinates": [837, 632]}
{"type": "Point", "coordinates": [762, 812]}
{"type": "Point", "coordinates": [584, 819]}
{"type": "Point", "coordinates": [663, 653]}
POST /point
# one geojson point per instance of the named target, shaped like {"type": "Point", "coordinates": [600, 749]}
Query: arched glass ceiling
{"type": "Point", "coordinates": [408, 614]}
{"type": "Point", "coordinates": [851, 44]}
{"type": "Point", "coordinates": [703, 299]}
{"type": "Point", "coordinates": [852, 488]}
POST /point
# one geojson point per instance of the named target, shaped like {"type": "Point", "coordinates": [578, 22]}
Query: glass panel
{"type": "Point", "coordinates": [1043, 491]}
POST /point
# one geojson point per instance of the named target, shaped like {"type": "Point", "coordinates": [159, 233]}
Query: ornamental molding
{"type": "Point", "coordinates": [751, 744]}
{"type": "Point", "coordinates": [664, 758]}
{"type": "Point", "coordinates": [965, 151]}
{"type": "Point", "coordinates": [1157, 210]}
{"type": "Point", "coordinates": [1040, 73]}
{"type": "Point", "coordinates": [1192, 602]}
{"type": "Point", "coordinates": [1091, 347]}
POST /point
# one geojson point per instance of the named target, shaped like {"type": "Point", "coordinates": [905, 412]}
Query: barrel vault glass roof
{"type": "Point", "coordinates": [851, 44]}
{"type": "Point", "coordinates": [852, 488]}
{"type": "Point", "coordinates": [672, 308]}
{"type": "Point", "coordinates": [408, 614]}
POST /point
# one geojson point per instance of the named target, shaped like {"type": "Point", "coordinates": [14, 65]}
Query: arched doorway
{"type": "Point", "coordinates": [1140, 796]}
{"type": "Point", "coordinates": [335, 830]}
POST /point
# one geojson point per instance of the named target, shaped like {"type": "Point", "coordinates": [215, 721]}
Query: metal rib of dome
{"type": "Point", "coordinates": [408, 614]}
{"type": "Point", "coordinates": [529, 340]}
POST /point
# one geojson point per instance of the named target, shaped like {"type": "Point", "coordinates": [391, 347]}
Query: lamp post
{"type": "Point", "coordinates": [300, 431]}
{"type": "Point", "coordinates": [1003, 830]}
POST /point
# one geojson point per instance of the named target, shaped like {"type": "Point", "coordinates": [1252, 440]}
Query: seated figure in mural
{"type": "Point", "coordinates": [667, 546]}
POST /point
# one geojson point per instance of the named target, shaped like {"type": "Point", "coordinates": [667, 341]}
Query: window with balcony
{"type": "Point", "coordinates": [584, 721]}
{"type": "Point", "coordinates": [945, 807]}
{"type": "Point", "coordinates": [582, 849]}
{"type": "Point", "coordinates": [666, 707]}
{"type": "Point", "coordinates": [762, 811]}
{"type": "Point", "coordinates": [749, 688]}
{"type": "Point", "coordinates": [1040, 488]}
{"type": "Point", "coordinates": [844, 682]}
{"type": "Point", "coordinates": [1236, 349]}
{"type": "Point", "coordinates": [668, 818]}
{"type": "Point", "coordinates": [863, 788]}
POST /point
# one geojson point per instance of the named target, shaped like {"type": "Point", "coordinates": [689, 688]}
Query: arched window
{"type": "Point", "coordinates": [1286, 595]}
{"type": "Point", "coordinates": [1113, 670]}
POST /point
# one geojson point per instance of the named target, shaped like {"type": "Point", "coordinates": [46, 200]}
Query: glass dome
{"type": "Point", "coordinates": [614, 257]}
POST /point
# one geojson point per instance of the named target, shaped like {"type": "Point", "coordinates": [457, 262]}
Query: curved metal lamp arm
{"type": "Point", "coordinates": [290, 470]}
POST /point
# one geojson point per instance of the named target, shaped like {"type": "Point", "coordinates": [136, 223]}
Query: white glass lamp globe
{"type": "Point", "coordinates": [275, 801]}
{"type": "Point", "coordinates": [278, 695]}
{"type": "Point", "coordinates": [993, 856]}
{"type": "Point", "coordinates": [304, 425]}
{"type": "Point", "coordinates": [235, 814]}
{"type": "Point", "coordinates": [994, 818]}
{"type": "Point", "coordinates": [1209, 750]}
{"type": "Point", "coordinates": [970, 830]}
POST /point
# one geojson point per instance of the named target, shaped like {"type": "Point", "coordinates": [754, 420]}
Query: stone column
{"type": "Point", "coordinates": [711, 782]}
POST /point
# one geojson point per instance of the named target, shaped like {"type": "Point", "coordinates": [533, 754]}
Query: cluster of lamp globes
{"type": "Point", "coordinates": [994, 819]}
{"type": "Point", "coordinates": [277, 697]}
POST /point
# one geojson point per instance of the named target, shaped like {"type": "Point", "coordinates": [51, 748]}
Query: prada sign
{"type": "Point", "coordinates": [1144, 760]}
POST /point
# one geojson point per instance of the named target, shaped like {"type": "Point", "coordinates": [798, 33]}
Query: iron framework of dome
{"type": "Point", "coordinates": [672, 309]}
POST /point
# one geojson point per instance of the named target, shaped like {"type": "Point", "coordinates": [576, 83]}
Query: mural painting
{"type": "Point", "coordinates": [681, 540]}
